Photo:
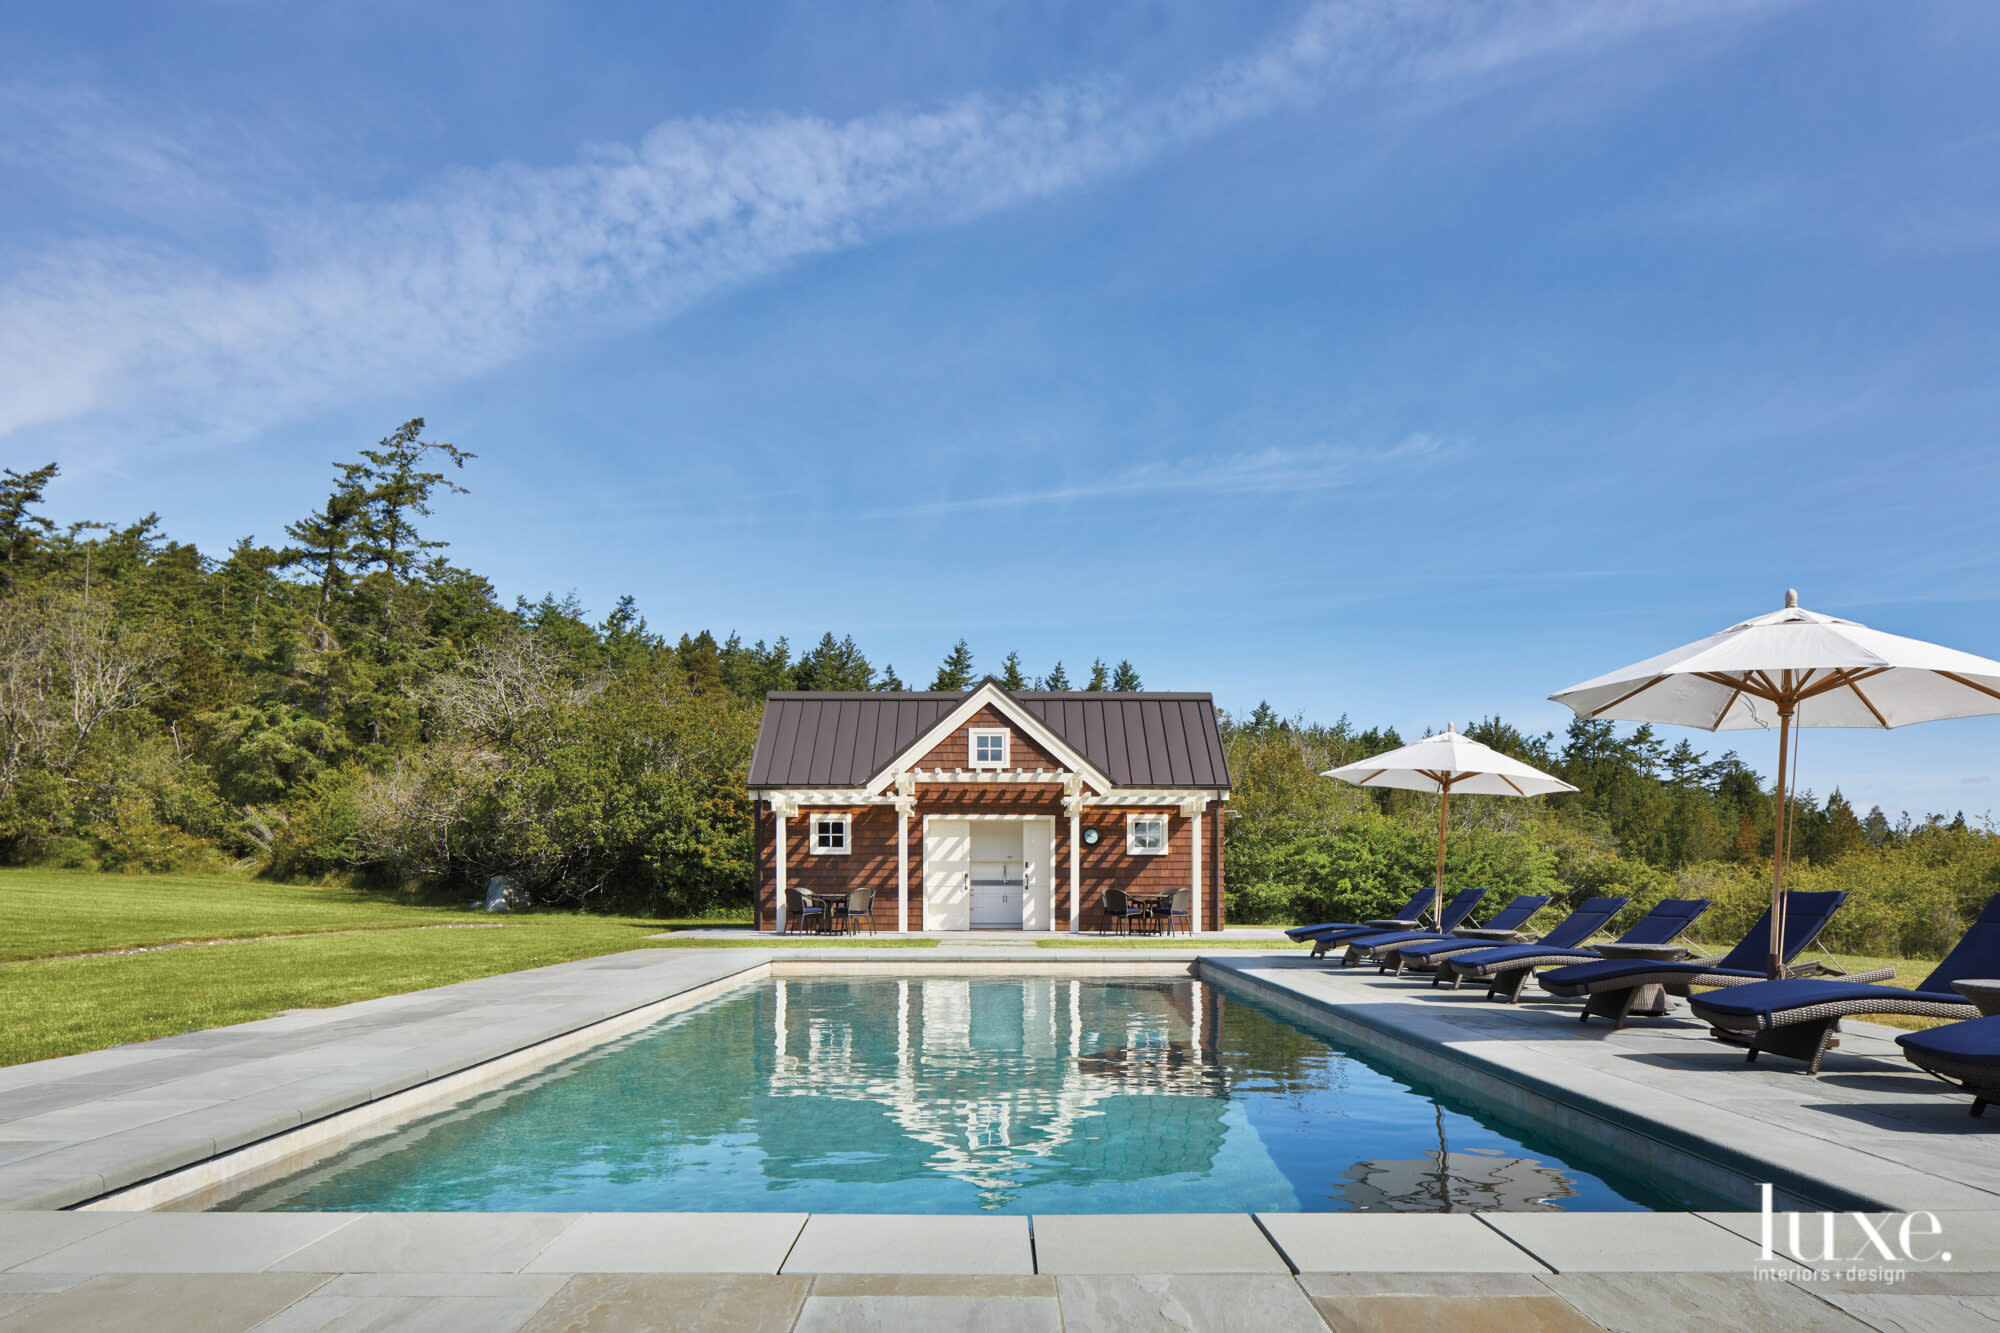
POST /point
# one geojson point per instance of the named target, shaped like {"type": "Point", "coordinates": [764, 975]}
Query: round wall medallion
{"type": "Point", "coordinates": [1090, 837]}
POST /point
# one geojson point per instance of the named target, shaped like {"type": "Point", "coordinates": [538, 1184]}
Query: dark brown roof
{"type": "Point", "coordinates": [837, 738]}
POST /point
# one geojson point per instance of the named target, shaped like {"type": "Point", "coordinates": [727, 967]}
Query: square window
{"type": "Point", "coordinates": [1145, 835]}
{"type": "Point", "coordinates": [989, 747]}
{"type": "Point", "coordinates": [830, 834]}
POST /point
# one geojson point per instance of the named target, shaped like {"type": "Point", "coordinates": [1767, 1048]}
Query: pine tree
{"type": "Point", "coordinates": [1100, 676]}
{"type": "Point", "coordinates": [955, 672]}
{"type": "Point", "coordinates": [20, 531]}
{"type": "Point", "coordinates": [700, 661]}
{"type": "Point", "coordinates": [1264, 720]}
{"type": "Point", "coordinates": [890, 680]}
{"type": "Point", "coordinates": [1011, 675]}
{"type": "Point", "coordinates": [755, 671]}
{"type": "Point", "coordinates": [1125, 678]}
{"type": "Point", "coordinates": [833, 665]}
{"type": "Point", "coordinates": [1876, 826]}
{"type": "Point", "coordinates": [1057, 679]}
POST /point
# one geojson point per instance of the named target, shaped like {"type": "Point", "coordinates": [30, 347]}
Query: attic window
{"type": "Point", "coordinates": [989, 747]}
{"type": "Point", "coordinates": [830, 835]}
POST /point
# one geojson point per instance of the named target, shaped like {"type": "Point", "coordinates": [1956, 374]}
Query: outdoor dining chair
{"type": "Point", "coordinates": [860, 903]}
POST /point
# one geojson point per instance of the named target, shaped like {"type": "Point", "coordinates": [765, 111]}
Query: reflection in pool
{"type": "Point", "coordinates": [945, 1095]}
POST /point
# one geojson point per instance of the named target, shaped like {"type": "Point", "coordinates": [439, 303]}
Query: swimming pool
{"type": "Point", "coordinates": [954, 1095]}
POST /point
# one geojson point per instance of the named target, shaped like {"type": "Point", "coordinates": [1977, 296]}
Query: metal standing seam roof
{"type": "Point", "coordinates": [839, 738]}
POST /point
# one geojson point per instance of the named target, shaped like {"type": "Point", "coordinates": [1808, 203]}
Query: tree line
{"type": "Point", "coordinates": [352, 702]}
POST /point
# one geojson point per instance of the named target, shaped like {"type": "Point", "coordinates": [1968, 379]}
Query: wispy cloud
{"type": "Point", "coordinates": [1262, 472]}
{"type": "Point", "coordinates": [484, 265]}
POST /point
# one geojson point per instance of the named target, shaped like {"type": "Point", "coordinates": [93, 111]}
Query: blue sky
{"type": "Point", "coordinates": [1408, 360]}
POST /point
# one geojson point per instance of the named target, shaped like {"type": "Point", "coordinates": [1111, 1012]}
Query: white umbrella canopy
{"type": "Point", "coordinates": [1793, 668]}
{"type": "Point", "coordinates": [1445, 764]}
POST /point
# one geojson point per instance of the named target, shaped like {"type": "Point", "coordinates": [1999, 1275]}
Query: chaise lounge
{"type": "Point", "coordinates": [1506, 969]}
{"type": "Point", "coordinates": [1622, 988]}
{"type": "Point", "coordinates": [1431, 955]}
{"type": "Point", "coordinates": [1411, 916]}
{"type": "Point", "coordinates": [1967, 1054]}
{"type": "Point", "coordinates": [1456, 908]}
{"type": "Point", "coordinates": [1506, 924]}
{"type": "Point", "coordinates": [1800, 1020]}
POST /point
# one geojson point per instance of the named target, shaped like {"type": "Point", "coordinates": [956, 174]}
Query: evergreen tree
{"type": "Point", "coordinates": [329, 543]}
{"type": "Point", "coordinates": [833, 665]}
{"type": "Point", "coordinates": [1842, 831]}
{"type": "Point", "coordinates": [627, 642]}
{"type": "Point", "coordinates": [1011, 675]}
{"type": "Point", "coordinates": [1057, 679]}
{"type": "Point", "coordinates": [755, 671]}
{"type": "Point", "coordinates": [21, 532]}
{"type": "Point", "coordinates": [956, 671]}
{"type": "Point", "coordinates": [1100, 676]}
{"type": "Point", "coordinates": [396, 488]}
{"type": "Point", "coordinates": [1264, 721]}
{"type": "Point", "coordinates": [700, 660]}
{"type": "Point", "coordinates": [1126, 678]}
{"type": "Point", "coordinates": [890, 680]}
{"type": "Point", "coordinates": [1876, 826]}
{"type": "Point", "coordinates": [1685, 767]}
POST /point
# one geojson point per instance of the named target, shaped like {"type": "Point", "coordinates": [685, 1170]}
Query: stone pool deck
{"type": "Point", "coordinates": [1871, 1133]}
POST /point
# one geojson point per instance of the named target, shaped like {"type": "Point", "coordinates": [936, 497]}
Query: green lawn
{"type": "Point", "coordinates": [301, 947]}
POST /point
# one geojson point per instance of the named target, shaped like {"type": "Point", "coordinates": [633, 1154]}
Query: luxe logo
{"type": "Point", "coordinates": [1885, 1241]}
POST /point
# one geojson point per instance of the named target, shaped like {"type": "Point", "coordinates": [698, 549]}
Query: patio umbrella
{"type": "Point", "coordinates": [1794, 668]}
{"type": "Point", "coordinates": [1445, 764]}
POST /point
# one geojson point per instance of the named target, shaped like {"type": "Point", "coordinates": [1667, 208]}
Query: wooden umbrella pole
{"type": "Point", "coordinates": [1444, 818]}
{"type": "Point", "coordinates": [1774, 965]}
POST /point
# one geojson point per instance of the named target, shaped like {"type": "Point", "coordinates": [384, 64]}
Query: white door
{"type": "Point", "coordinates": [1038, 851]}
{"type": "Point", "coordinates": [947, 874]}
{"type": "Point", "coordinates": [996, 874]}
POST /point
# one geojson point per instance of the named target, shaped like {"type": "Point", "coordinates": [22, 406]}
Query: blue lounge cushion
{"type": "Point", "coordinates": [1418, 902]}
{"type": "Point", "coordinates": [1976, 1041]}
{"type": "Point", "coordinates": [1507, 953]}
{"type": "Point", "coordinates": [1436, 945]}
{"type": "Point", "coordinates": [1384, 939]}
{"type": "Point", "coordinates": [1614, 969]}
{"type": "Point", "coordinates": [1765, 998]}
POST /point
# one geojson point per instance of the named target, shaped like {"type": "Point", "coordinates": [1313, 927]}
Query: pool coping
{"type": "Point", "coordinates": [595, 1000]}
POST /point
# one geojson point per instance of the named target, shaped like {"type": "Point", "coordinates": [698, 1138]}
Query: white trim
{"type": "Point", "coordinates": [1132, 819]}
{"type": "Point", "coordinates": [903, 804]}
{"type": "Point", "coordinates": [783, 814]}
{"type": "Point", "coordinates": [1194, 922]}
{"type": "Point", "coordinates": [989, 695]}
{"type": "Point", "coordinates": [1048, 873]}
{"type": "Point", "coordinates": [1075, 877]}
{"type": "Point", "coordinates": [1174, 796]}
{"type": "Point", "coordinates": [846, 822]}
{"type": "Point", "coordinates": [974, 735]}
{"type": "Point", "coordinates": [1043, 775]}
{"type": "Point", "coordinates": [798, 796]}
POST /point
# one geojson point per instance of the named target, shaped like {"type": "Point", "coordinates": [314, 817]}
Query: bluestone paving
{"type": "Point", "coordinates": [1626, 1242]}
{"type": "Point", "coordinates": [165, 1303]}
{"type": "Point", "coordinates": [1184, 1303]}
{"type": "Point", "coordinates": [1689, 1302]}
{"type": "Point", "coordinates": [1154, 1243]}
{"type": "Point", "coordinates": [672, 1243]}
{"type": "Point", "coordinates": [424, 1242]}
{"type": "Point", "coordinates": [963, 1314]}
{"type": "Point", "coordinates": [1395, 1243]}
{"type": "Point", "coordinates": [189, 1243]}
{"type": "Point", "coordinates": [909, 1243]}
{"type": "Point", "coordinates": [25, 1236]}
{"type": "Point", "coordinates": [648, 1302]}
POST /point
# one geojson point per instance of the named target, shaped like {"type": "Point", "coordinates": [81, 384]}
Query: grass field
{"type": "Point", "coordinates": [295, 947]}
{"type": "Point", "coordinates": [225, 949]}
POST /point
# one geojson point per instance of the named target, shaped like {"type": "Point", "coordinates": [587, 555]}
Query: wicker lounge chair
{"type": "Point", "coordinates": [1620, 988]}
{"type": "Point", "coordinates": [1505, 925]}
{"type": "Point", "coordinates": [1412, 913]}
{"type": "Point", "coordinates": [1433, 955]}
{"type": "Point", "coordinates": [1801, 1019]}
{"type": "Point", "coordinates": [1506, 970]}
{"type": "Point", "coordinates": [1967, 1054]}
{"type": "Point", "coordinates": [1456, 909]}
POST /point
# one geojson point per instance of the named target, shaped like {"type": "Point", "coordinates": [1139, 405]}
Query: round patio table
{"type": "Point", "coordinates": [1152, 902]}
{"type": "Point", "coordinates": [1983, 992]}
{"type": "Point", "coordinates": [1651, 1001]}
{"type": "Point", "coordinates": [826, 903]}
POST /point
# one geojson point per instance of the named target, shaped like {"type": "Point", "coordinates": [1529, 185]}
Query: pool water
{"type": "Point", "coordinates": [959, 1095]}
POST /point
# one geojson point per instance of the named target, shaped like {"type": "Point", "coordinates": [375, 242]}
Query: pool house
{"type": "Point", "coordinates": [989, 808]}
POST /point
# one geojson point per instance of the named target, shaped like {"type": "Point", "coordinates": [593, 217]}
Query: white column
{"type": "Point", "coordinates": [1198, 922]}
{"type": "Point", "coordinates": [902, 865]}
{"type": "Point", "coordinates": [1075, 879]}
{"type": "Point", "coordinates": [781, 814]}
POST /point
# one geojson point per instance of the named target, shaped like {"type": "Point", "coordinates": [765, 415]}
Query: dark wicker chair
{"type": "Point", "coordinates": [1119, 911]}
{"type": "Point", "coordinates": [1179, 908]}
{"type": "Point", "coordinates": [860, 903]}
{"type": "Point", "coordinates": [797, 914]}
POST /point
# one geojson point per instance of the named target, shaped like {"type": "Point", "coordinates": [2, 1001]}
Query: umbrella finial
{"type": "Point", "coordinates": [1791, 599]}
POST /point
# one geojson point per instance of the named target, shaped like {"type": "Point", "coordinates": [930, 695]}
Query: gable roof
{"type": "Point", "coordinates": [838, 738]}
